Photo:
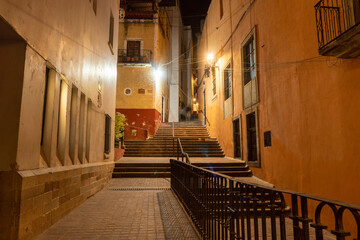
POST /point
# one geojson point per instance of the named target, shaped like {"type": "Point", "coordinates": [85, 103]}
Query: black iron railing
{"type": "Point", "coordinates": [143, 57]}
{"type": "Point", "coordinates": [335, 17]}
{"type": "Point", "coordinates": [224, 208]}
{"type": "Point", "coordinates": [180, 154]}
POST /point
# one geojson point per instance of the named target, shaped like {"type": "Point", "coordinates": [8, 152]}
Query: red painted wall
{"type": "Point", "coordinates": [144, 121]}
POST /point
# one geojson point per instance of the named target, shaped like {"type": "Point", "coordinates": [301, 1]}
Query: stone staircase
{"type": "Point", "coordinates": [162, 170]}
{"type": "Point", "coordinates": [195, 141]}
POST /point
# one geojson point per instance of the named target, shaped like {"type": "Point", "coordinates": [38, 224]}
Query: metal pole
{"type": "Point", "coordinates": [173, 135]}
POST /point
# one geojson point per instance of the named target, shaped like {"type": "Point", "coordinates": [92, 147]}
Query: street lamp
{"type": "Point", "coordinates": [210, 58]}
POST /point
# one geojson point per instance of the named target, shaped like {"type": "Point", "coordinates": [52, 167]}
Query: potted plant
{"type": "Point", "coordinates": [119, 135]}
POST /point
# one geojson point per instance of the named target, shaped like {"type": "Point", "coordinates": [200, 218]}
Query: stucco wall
{"type": "Point", "coordinates": [12, 62]}
{"type": "Point", "coordinates": [141, 76]}
{"type": "Point", "coordinates": [69, 40]}
{"type": "Point", "coordinates": [307, 101]}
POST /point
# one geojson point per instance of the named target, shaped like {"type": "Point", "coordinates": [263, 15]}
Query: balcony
{"type": "Point", "coordinates": [338, 28]}
{"type": "Point", "coordinates": [142, 58]}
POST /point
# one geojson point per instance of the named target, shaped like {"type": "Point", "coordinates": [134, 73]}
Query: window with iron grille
{"type": "Point", "coordinates": [249, 61]}
{"type": "Point", "coordinates": [133, 48]}
{"type": "Point", "coordinates": [213, 69]}
{"type": "Point", "coordinates": [107, 133]}
{"type": "Point", "coordinates": [227, 82]}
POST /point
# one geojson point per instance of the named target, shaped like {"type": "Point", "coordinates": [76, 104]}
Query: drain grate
{"type": "Point", "coordinates": [140, 189]}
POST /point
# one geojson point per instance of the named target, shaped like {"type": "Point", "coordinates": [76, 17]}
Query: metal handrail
{"type": "Point", "coordinates": [225, 208]}
{"type": "Point", "coordinates": [206, 119]}
{"type": "Point", "coordinates": [180, 152]}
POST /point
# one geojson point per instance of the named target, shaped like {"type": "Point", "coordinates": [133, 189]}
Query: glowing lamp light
{"type": "Point", "coordinates": [158, 73]}
{"type": "Point", "coordinates": [210, 58]}
{"type": "Point", "coordinates": [194, 99]}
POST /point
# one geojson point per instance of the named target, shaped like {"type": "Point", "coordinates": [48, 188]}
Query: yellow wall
{"type": "Point", "coordinates": [308, 102]}
{"type": "Point", "coordinates": [137, 30]}
{"type": "Point", "coordinates": [137, 76]}
{"type": "Point", "coordinates": [162, 61]}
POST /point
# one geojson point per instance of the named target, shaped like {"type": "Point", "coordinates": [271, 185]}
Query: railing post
{"type": "Point", "coordinates": [173, 147]}
{"type": "Point", "coordinates": [173, 135]}
{"type": "Point", "coordinates": [305, 218]}
{"type": "Point", "coordinates": [231, 209]}
{"type": "Point", "coordinates": [178, 150]}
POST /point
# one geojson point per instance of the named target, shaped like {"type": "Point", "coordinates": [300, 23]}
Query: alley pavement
{"type": "Point", "coordinates": [126, 208]}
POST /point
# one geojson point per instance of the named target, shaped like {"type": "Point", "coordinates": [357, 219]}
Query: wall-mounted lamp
{"type": "Point", "coordinates": [210, 58]}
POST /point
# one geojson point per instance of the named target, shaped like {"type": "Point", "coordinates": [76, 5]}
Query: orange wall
{"type": "Point", "coordinates": [309, 103]}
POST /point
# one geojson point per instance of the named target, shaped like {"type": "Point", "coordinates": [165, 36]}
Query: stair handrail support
{"type": "Point", "coordinates": [180, 150]}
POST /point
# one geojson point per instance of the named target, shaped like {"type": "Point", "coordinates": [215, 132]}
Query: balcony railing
{"type": "Point", "coordinates": [129, 58]}
{"type": "Point", "coordinates": [225, 208]}
{"type": "Point", "coordinates": [334, 18]}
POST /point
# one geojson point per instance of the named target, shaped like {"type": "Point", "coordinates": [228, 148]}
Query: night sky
{"type": "Point", "coordinates": [193, 11]}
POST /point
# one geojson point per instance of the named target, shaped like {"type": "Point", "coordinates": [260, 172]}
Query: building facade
{"type": "Point", "coordinates": [57, 85]}
{"type": "Point", "coordinates": [281, 91]}
{"type": "Point", "coordinates": [143, 72]}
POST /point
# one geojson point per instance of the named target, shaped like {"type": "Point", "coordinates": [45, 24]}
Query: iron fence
{"type": "Point", "coordinates": [335, 17]}
{"type": "Point", "coordinates": [224, 208]}
{"type": "Point", "coordinates": [144, 56]}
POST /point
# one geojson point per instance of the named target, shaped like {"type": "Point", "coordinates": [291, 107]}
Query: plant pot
{"type": "Point", "coordinates": [119, 153]}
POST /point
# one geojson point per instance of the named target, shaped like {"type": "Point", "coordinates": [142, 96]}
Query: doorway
{"type": "Point", "coordinates": [237, 137]}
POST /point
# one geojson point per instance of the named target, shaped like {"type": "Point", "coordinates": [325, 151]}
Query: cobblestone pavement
{"type": "Point", "coordinates": [126, 209]}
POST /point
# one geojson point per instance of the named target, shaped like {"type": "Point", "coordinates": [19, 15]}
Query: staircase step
{"type": "Point", "coordinates": [141, 175]}
{"type": "Point", "coordinates": [171, 155]}
{"type": "Point", "coordinates": [141, 169]}
{"type": "Point", "coordinates": [220, 164]}
{"type": "Point", "coordinates": [154, 165]}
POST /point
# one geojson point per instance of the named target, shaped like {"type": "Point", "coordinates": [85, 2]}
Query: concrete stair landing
{"type": "Point", "coordinates": [130, 167]}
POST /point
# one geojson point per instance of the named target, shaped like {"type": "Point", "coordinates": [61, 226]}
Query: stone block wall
{"type": "Point", "coordinates": [37, 199]}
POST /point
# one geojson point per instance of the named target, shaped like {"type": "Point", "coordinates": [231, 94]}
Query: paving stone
{"type": "Point", "coordinates": [149, 213]}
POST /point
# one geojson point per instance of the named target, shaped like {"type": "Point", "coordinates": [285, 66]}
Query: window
{"type": "Point", "coordinates": [250, 91]}
{"type": "Point", "coordinates": [249, 60]}
{"type": "Point", "coordinates": [213, 80]}
{"type": "Point", "coordinates": [133, 48]}
{"type": "Point", "coordinates": [227, 82]}
{"type": "Point", "coordinates": [111, 30]}
{"type": "Point", "coordinates": [221, 9]}
{"type": "Point", "coordinates": [252, 140]}
{"type": "Point", "coordinates": [107, 133]}
{"type": "Point", "coordinates": [127, 91]}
